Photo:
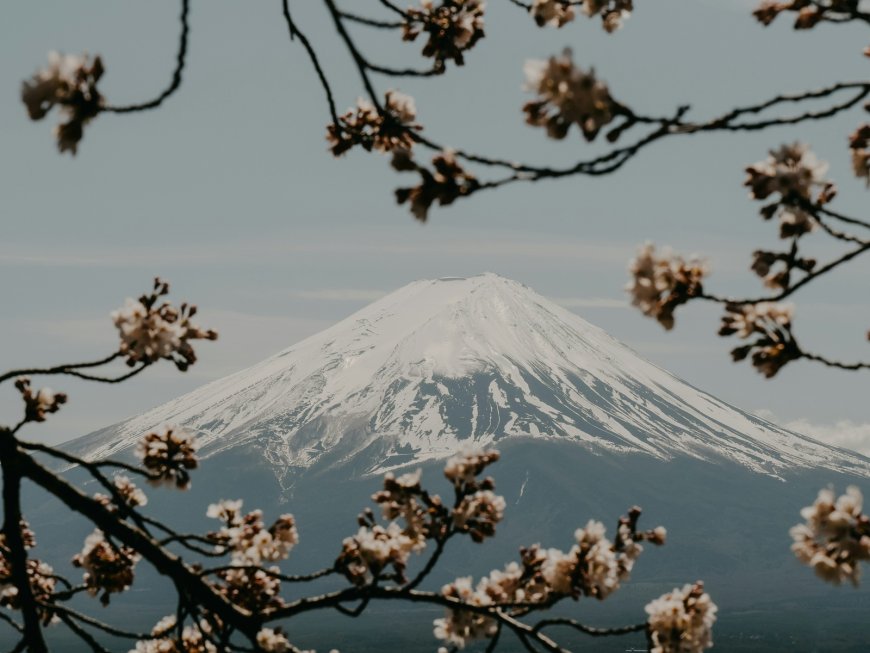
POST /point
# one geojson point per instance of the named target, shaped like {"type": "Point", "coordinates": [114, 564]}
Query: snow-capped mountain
{"type": "Point", "coordinates": [439, 363]}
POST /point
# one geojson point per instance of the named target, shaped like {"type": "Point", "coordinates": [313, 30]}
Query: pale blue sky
{"type": "Point", "coordinates": [228, 190]}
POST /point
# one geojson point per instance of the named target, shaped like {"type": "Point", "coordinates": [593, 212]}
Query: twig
{"type": "Point", "coordinates": [589, 630]}
{"type": "Point", "coordinates": [57, 369]}
{"type": "Point", "coordinates": [175, 84]}
{"type": "Point", "coordinates": [370, 22]}
{"type": "Point", "coordinates": [312, 55]}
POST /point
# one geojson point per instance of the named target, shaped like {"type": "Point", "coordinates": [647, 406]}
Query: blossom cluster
{"type": "Point", "coordinates": [557, 13]}
{"type": "Point", "coordinates": [375, 549]}
{"type": "Point", "coordinates": [775, 268]}
{"type": "Point", "coordinates": [445, 183]}
{"type": "Point", "coordinates": [40, 574]}
{"type": "Point", "coordinates": [108, 567]}
{"type": "Point", "coordinates": [552, 13]}
{"type": "Point", "coordinates": [661, 283]}
{"type": "Point", "coordinates": [128, 491]}
{"type": "Point", "coordinates": [273, 641]}
{"type": "Point", "coordinates": [612, 12]}
{"type": "Point", "coordinates": [417, 516]}
{"type": "Point", "coordinates": [151, 329]}
{"type": "Point", "coordinates": [795, 174]}
{"type": "Point", "coordinates": [681, 621]}
{"type": "Point", "coordinates": [404, 498]}
{"type": "Point", "coordinates": [477, 509]}
{"type": "Point", "coordinates": [125, 492]}
{"type": "Point", "coordinates": [37, 404]}
{"type": "Point", "coordinates": [250, 543]}
{"type": "Point", "coordinates": [452, 28]}
{"type": "Point", "coordinates": [567, 95]}
{"type": "Point", "coordinates": [252, 588]}
{"type": "Point", "coordinates": [69, 82]}
{"type": "Point", "coordinates": [859, 144]}
{"type": "Point", "coordinates": [477, 514]}
{"type": "Point", "coordinates": [459, 627]}
{"type": "Point", "coordinates": [168, 455]}
{"type": "Point", "coordinates": [463, 469]}
{"type": "Point", "coordinates": [774, 345]}
{"type": "Point", "coordinates": [383, 131]}
{"type": "Point", "coordinates": [246, 537]}
{"type": "Point", "coordinates": [593, 567]}
{"type": "Point", "coordinates": [192, 638]}
{"type": "Point", "coordinates": [835, 536]}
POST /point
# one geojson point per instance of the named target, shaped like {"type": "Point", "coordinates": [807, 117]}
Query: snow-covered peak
{"type": "Point", "coordinates": [441, 363]}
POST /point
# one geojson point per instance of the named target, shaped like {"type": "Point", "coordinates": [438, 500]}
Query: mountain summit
{"type": "Point", "coordinates": [440, 363]}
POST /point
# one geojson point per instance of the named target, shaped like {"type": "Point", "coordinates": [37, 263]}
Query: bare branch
{"type": "Point", "coordinates": [57, 369]}
{"type": "Point", "coordinates": [312, 55]}
{"type": "Point", "coordinates": [175, 84]}
{"type": "Point", "coordinates": [588, 630]}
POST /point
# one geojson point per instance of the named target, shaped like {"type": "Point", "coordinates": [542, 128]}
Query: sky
{"type": "Point", "coordinates": [228, 191]}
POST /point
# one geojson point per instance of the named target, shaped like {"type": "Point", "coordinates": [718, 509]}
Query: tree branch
{"type": "Point", "coordinates": [14, 543]}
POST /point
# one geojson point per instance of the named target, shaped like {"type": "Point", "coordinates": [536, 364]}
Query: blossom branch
{"type": "Point", "coordinates": [163, 561]}
{"type": "Point", "coordinates": [796, 179]}
{"type": "Point", "coordinates": [793, 288]}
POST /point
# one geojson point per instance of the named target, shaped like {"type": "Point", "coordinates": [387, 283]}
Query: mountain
{"type": "Point", "coordinates": [443, 362]}
{"type": "Point", "coordinates": [586, 428]}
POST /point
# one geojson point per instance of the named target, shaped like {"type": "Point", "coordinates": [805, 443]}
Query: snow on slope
{"type": "Point", "coordinates": [441, 362]}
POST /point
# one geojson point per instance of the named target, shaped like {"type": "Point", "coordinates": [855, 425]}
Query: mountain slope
{"type": "Point", "coordinates": [438, 363]}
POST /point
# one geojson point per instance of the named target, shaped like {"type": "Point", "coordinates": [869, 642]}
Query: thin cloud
{"type": "Point", "coordinates": [842, 433]}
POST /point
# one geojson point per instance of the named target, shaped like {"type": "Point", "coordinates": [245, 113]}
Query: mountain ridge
{"type": "Point", "coordinates": [442, 363]}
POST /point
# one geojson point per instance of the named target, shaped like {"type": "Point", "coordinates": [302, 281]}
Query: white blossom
{"type": "Point", "coordinates": [459, 627]}
{"type": "Point", "coordinates": [247, 537]}
{"type": "Point", "coordinates": [612, 12]}
{"type": "Point", "coordinates": [552, 13]}
{"type": "Point", "coordinates": [108, 568]}
{"type": "Point", "coordinates": [660, 283]}
{"type": "Point", "coordinates": [70, 82]}
{"type": "Point", "coordinates": [452, 26]}
{"type": "Point", "coordinates": [681, 621]}
{"type": "Point", "coordinates": [383, 132]}
{"type": "Point", "coordinates": [567, 95]}
{"type": "Point", "coordinates": [791, 170]}
{"type": "Point", "coordinates": [168, 454]}
{"type": "Point", "coordinates": [151, 329]}
{"type": "Point", "coordinates": [366, 554]}
{"type": "Point", "coordinates": [466, 465]}
{"type": "Point", "coordinates": [144, 334]}
{"type": "Point", "coordinates": [835, 537]}
{"type": "Point", "coordinates": [133, 495]}
{"type": "Point", "coordinates": [273, 641]}
{"type": "Point", "coordinates": [193, 639]}
{"type": "Point", "coordinates": [478, 513]}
